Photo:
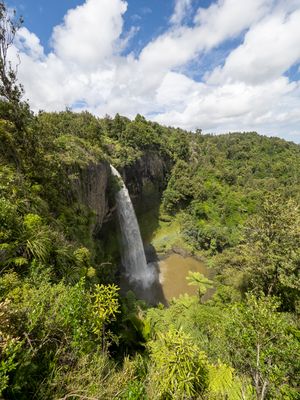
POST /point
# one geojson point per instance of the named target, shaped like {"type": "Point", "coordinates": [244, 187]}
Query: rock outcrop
{"type": "Point", "coordinates": [151, 169]}
{"type": "Point", "coordinates": [145, 178]}
{"type": "Point", "coordinates": [91, 189]}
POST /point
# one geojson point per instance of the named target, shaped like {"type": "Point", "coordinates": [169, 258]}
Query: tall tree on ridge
{"type": "Point", "coordinates": [10, 89]}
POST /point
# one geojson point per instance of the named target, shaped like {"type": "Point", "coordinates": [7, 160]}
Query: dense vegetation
{"type": "Point", "coordinates": [67, 333]}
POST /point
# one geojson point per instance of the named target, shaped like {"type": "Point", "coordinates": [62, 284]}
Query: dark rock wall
{"type": "Point", "coordinates": [91, 189]}
{"type": "Point", "coordinates": [151, 169]}
{"type": "Point", "coordinates": [147, 177]}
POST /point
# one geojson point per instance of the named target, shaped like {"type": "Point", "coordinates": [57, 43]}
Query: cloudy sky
{"type": "Point", "coordinates": [220, 66]}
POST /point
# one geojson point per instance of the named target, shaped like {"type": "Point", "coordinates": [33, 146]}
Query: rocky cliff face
{"type": "Point", "coordinates": [151, 170]}
{"type": "Point", "coordinates": [145, 178]}
{"type": "Point", "coordinates": [91, 189]}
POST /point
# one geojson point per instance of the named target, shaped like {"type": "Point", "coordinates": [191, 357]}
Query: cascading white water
{"type": "Point", "coordinates": [133, 255]}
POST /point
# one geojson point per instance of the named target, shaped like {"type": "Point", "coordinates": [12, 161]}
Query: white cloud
{"type": "Point", "coordinates": [182, 7]}
{"type": "Point", "coordinates": [88, 33]}
{"type": "Point", "coordinates": [249, 91]}
{"type": "Point", "coordinates": [29, 43]}
{"type": "Point", "coordinates": [269, 49]}
{"type": "Point", "coordinates": [174, 88]}
{"type": "Point", "coordinates": [233, 106]}
{"type": "Point", "coordinates": [214, 25]}
{"type": "Point", "coordinates": [227, 18]}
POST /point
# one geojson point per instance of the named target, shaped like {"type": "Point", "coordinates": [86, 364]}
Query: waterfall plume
{"type": "Point", "coordinates": [133, 254]}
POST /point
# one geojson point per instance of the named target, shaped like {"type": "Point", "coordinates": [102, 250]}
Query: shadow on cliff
{"type": "Point", "coordinates": [156, 294]}
{"type": "Point", "coordinates": [147, 210]}
{"type": "Point", "coordinates": [148, 217]}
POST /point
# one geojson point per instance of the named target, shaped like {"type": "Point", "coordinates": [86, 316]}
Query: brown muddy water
{"type": "Point", "coordinates": [173, 271]}
{"type": "Point", "coordinates": [170, 282]}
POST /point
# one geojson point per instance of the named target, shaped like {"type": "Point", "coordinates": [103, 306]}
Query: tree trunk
{"type": "Point", "coordinates": [257, 375]}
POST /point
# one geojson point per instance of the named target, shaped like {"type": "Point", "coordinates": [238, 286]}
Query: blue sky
{"type": "Point", "coordinates": [151, 17]}
{"type": "Point", "coordinates": [221, 65]}
{"type": "Point", "coordinates": [42, 15]}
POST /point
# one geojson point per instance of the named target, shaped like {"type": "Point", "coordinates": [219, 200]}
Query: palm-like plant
{"type": "Point", "coordinates": [199, 280]}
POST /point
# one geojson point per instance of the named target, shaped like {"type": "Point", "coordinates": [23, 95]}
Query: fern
{"type": "Point", "coordinates": [224, 384]}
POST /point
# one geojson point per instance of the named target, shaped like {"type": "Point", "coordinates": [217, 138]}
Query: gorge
{"type": "Point", "coordinates": [160, 280]}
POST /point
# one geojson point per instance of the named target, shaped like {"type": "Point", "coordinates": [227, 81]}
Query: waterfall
{"type": "Point", "coordinates": [133, 255]}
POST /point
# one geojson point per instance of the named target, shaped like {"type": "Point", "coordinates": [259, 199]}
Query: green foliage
{"type": "Point", "coordinates": [50, 323]}
{"type": "Point", "coordinates": [37, 237]}
{"type": "Point", "coordinates": [135, 391]}
{"type": "Point", "coordinates": [179, 368]}
{"type": "Point", "coordinates": [223, 383]}
{"type": "Point", "coordinates": [9, 345]}
{"type": "Point", "coordinates": [105, 308]}
{"type": "Point", "coordinates": [58, 319]}
{"type": "Point", "coordinates": [199, 280]}
{"type": "Point", "coordinates": [273, 238]}
{"type": "Point", "coordinates": [179, 190]}
{"type": "Point", "coordinates": [268, 258]}
{"type": "Point", "coordinates": [74, 125]}
{"type": "Point", "coordinates": [224, 182]}
{"type": "Point", "coordinates": [262, 345]}
{"type": "Point", "coordinates": [71, 150]}
{"type": "Point", "coordinates": [133, 329]}
{"type": "Point", "coordinates": [139, 134]}
{"type": "Point", "coordinates": [93, 376]}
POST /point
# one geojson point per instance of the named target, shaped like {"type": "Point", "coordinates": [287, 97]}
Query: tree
{"type": "Point", "coordinates": [178, 367]}
{"type": "Point", "coordinates": [9, 25]}
{"type": "Point", "coordinates": [225, 384]}
{"type": "Point", "coordinates": [268, 258]}
{"type": "Point", "coordinates": [9, 345]}
{"type": "Point", "coordinates": [12, 107]}
{"type": "Point", "coordinates": [104, 309]}
{"type": "Point", "coordinates": [199, 280]}
{"type": "Point", "coordinates": [263, 344]}
{"type": "Point", "coordinates": [272, 250]}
